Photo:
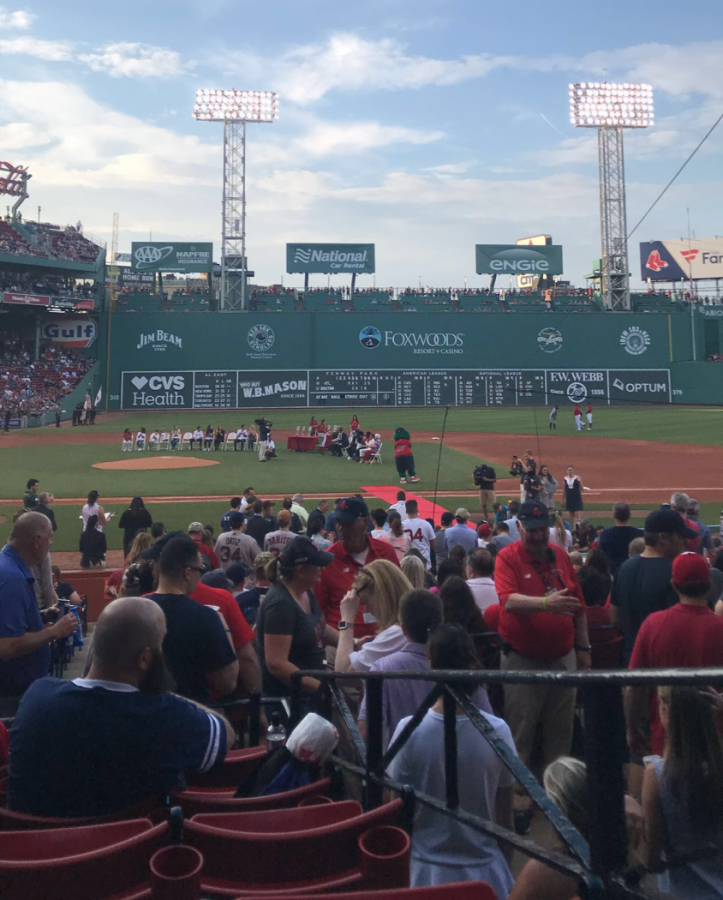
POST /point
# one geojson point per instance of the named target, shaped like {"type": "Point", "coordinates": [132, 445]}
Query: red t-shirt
{"type": "Point", "coordinates": [588, 408]}
{"type": "Point", "coordinates": [209, 554]}
{"type": "Point", "coordinates": [241, 632]}
{"type": "Point", "coordinates": [540, 635]}
{"type": "Point", "coordinates": [577, 411]}
{"type": "Point", "coordinates": [402, 447]}
{"type": "Point", "coordinates": [684, 636]}
{"type": "Point", "coordinates": [338, 577]}
{"type": "Point", "coordinates": [491, 615]}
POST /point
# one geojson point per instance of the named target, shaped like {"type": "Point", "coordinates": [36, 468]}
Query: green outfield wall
{"type": "Point", "coordinates": [297, 359]}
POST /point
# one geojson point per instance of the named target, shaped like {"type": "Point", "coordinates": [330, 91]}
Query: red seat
{"type": "Point", "coordinates": [86, 863]}
{"type": "Point", "coordinates": [237, 768]}
{"type": "Point", "coordinates": [278, 821]}
{"type": "Point", "coordinates": [307, 859]}
{"type": "Point", "coordinates": [209, 800]}
{"type": "Point", "coordinates": [468, 890]}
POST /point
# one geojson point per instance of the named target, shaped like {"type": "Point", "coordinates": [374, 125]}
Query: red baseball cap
{"type": "Point", "coordinates": [689, 568]}
{"type": "Point", "coordinates": [484, 530]}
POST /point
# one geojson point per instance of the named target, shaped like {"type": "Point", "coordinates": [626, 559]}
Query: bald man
{"type": "Point", "coordinates": [24, 643]}
{"type": "Point", "coordinates": [117, 740]}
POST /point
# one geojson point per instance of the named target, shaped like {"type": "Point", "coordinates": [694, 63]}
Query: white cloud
{"type": "Point", "coordinates": [325, 138]}
{"type": "Point", "coordinates": [51, 51]}
{"type": "Point", "coordinates": [448, 169]}
{"type": "Point", "coordinates": [19, 18]}
{"type": "Point", "coordinates": [134, 60]}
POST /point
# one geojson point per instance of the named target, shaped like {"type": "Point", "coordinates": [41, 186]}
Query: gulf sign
{"type": "Point", "coordinates": [697, 259]}
{"type": "Point", "coordinates": [78, 333]}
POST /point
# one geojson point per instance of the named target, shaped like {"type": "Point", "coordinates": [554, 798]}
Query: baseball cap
{"type": "Point", "coordinates": [303, 551]}
{"type": "Point", "coordinates": [236, 572]}
{"type": "Point", "coordinates": [236, 520]}
{"type": "Point", "coordinates": [668, 521]}
{"type": "Point", "coordinates": [484, 530]}
{"type": "Point", "coordinates": [217, 578]}
{"type": "Point", "coordinates": [461, 513]}
{"type": "Point", "coordinates": [195, 527]}
{"type": "Point", "coordinates": [155, 550]}
{"type": "Point", "coordinates": [690, 567]}
{"type": "Point", "coordinates": [350, 509]}
{"type": "Point", "coordinates": [447, 518]}
{"type": "Point", "coordinates": [534, 514]}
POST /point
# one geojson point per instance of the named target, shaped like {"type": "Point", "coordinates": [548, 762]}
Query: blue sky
{"type": "Point", "coordinates": [424, 127]}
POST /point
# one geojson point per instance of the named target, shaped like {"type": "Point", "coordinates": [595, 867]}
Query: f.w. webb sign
{"type": "Point", "coordinates": [330, 258]}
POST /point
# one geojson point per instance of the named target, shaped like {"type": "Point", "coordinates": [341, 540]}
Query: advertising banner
{"type": "Point", "coordinates": [330, 258]}
{"type": "Point", "coordinates": [511, 259]}
{"type": "Point", "coordinates": [526, 281]}
{"type": "Point", "coordinates": [157, 390]}
{"type": "Point", "coordinates": [132, 278]}
{"type": "Point", "coordinates": [696, 259]}
{"type": "Point", "coordinates": [26, 299]}
{"type": "Point", "coordinates": [162, 256]}
{"type": "Point", "coordinates": [70, 332]}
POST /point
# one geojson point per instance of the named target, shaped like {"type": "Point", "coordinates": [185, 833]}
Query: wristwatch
{"type": "Point", "coordinates": [583, 649]}
{"type": "Point", "coordinates": [342, 626]}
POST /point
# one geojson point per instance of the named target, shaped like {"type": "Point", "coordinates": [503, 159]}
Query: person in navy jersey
{"type": "Point", "coordinates": [24, 642]}
{"type": "Point", "coordinates": [117, 741]}
{"type": "Point", "coordinates": [226, 517]}
{"type": "Point", "coordinates": [197, 645]}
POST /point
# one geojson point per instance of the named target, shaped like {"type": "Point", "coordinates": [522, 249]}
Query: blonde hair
{"type": "Point", "coordinates": [387, 584]}
{"type": "Point", "coordinates": [565, 782]}
{"type": "Point", "coordinates": [413, 568]}
{"type": "Point", "coordinates": [142, 541]}
{"type": "Point", "coordinates": [559, 527]}
{"type": "Point", "coordinates": [260, 563]}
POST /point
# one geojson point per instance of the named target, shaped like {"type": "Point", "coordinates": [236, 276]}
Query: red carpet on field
{"type": "Point", "coordinates": [427, 509]}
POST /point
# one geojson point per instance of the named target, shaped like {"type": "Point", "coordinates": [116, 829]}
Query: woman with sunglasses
{"type": "Point", "coordinates": [290, 629]}
{"type": "Point", "coordinates": [379, 588]}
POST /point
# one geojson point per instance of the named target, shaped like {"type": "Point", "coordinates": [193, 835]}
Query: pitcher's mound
{"type": "Point", "coordinates": [137, 463]}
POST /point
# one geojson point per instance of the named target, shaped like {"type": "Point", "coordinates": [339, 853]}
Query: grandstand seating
{"type": "Point", "coordinates": [197, 800]}
{"type": "Point", "coordinates": [64, 243]}
{"type": "Point", "coordinates": [469, 890]}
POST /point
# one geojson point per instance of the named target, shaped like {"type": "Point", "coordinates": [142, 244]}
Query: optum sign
{"type": "Point", "coordinates": [510, 259]}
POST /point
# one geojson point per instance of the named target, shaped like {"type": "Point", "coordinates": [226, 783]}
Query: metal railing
{"type": "Point", "coordinates": [600, 863]}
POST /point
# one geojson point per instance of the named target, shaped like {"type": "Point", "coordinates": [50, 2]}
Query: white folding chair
{"type": "Point", "coordinates": [166, 442]}
{"type": "Point", "coordinates": [145, 442]}
{"type": "Point", "coordinates": [230, 438]}
{"type": "Point", "coordinates": [376, 457]}
{"type": "Point", "coordinates": [186, 439]}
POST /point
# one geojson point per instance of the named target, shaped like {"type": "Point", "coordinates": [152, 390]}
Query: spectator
{"type": "Point", "coordinates": [680, 502]}
{"type": "Point", "coordinates": [268, 514]}
{"type": "Point", "coordinates": [379, 518]}
{"type": "Point", "coordinates": [413, 568]}
{"type": "Point", "coordinates": [513, 507]}
{"type": "Point", "coordinates": [354, 549]}
{"type": "Point", "coordinates": [43, 506]}
{"type": "Point", "coordinates": [401, 505]}
{"type": "Point", "coordinates": [460, 534]}
{"type": "Point", "coordinates": [605, 640]}
{"type": "Point", "coordinates": [400, 541]}
{"type": "Point", "coordinates": [234, 546]}
{"type": "Point", "coordinates": [636, 548]}
{"type": "Point", "coordinates": [318, 515]}
{"type": "Point", "coordinates": [24, 651]}
{"type": "Point", "coordinates": [501, 536]}
{"type": "Point", "coordinates": [238, 574]}
{"type": "Point", "coordinates": [297, 525]}
{"type": "Point", "coordinates": [688, 635]}
{"type": "Point", "coordinates": [421, 533]}
{"type": "Point", "coordinates": [544, 627]}
{"type": "Point", "coordinates": [132, 520]}
{"type": "Point", "coordinates": [378, 588]}
{"type": "Point", "coordinates": [158, 529]}
{"type": "Point", "coordinates": [257, 526]}
{"type": "Point", "coordinates": [642, 585]}
{"type": "Point", "coordinates": [484, 533]}
{"type": "Point", "coordinates": [316, 535]}
{"type": "Point", "coordinates": [93, 545]}
{"type": "Point", "coordinates": [297, 508]}
{"type": "Point", "coordinates": [683, 795]}
{"type": "Point", "coordinates": [235, 506]}
{"type": "Point", "coordinates": [63, 589]}
{"type": "Point", "coordinates": [440, 547]}
{"type": "Point", "coordinates": [615, 542]}
{"type": "Point", "coordinates": [706, 538]}
{"type": "Point", "coordinates": [559, 535]}
{"type": "Point", "coordinates": [480, 569]}
{"type": "Point", "coordinates": [459, 605]}
{"type": "Point", "coordinates": [93, 508]}
{"type": "Point", "coordinates": [249, 601]}
{"type": "Point", "coordinates": [196, 645]}
{"type": "Point", "coordinates": [290, 629]}
{"type": "Point", "coordinates": [549, 486]}
{"type": "Point", "coordinates": [30, 497]}
{"type": "Point", "coordinates": [445, 851]}
{"type": "Point", "coordinates": [275, 541]}
{"type": "Point", "coordinates": [195, 532]}
{"type": "Point", "coordinates": [113, 767]}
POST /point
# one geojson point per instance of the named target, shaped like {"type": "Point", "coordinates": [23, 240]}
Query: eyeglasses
{"type": "Point", "coordinates": [198, 569]}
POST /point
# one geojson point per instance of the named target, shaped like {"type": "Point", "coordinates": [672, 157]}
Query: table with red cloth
{"type": "Point", "coordinates": [301, 442]}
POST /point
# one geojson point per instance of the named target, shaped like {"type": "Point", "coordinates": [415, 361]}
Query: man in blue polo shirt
{"type": "Point", "coordinates": [116, 740]}
{"type": "Point", "coordinates": [461, 535]}
{"type": "Point", "coordinates": [24, 642]}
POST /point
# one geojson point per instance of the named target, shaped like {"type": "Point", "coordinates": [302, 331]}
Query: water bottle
{"type": "Point", "coordinates": [276, 734]}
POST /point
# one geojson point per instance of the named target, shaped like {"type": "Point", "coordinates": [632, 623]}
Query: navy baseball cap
{"type": "Point", "coordinates": [155, 550]}
{"type": "Point", "coordinates": [350, 509]}
{"type": "Point", "coordinates": [236, 572]}
{"type": "Point", "coordinates": [668, 521]}
{"type": "Point", "coordinates": [534, 514]}
{"type": "Point", "coordinates": [302, 551]}
{"type": "Point", "coordinates": [236, 520]}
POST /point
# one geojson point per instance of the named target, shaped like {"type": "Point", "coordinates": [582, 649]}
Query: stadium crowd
{"type": "Point", "coordinates": [245, 602]}
{"type": "Point", "coordinates": [49, 240]}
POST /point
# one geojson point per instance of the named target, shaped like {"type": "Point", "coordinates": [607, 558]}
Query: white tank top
{"type": "Point", "coordinates": [89, 511]}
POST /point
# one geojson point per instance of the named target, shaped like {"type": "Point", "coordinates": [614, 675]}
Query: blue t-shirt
{"type": "Point", "coordinates": [195, 644]}
{"type": "Point", "coordinates": [19, 614]}
{"type": "Point", "coordinates": [87, 748]}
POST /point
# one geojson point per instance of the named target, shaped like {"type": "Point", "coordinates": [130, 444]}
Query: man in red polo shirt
{"type": "Point", "coordinates": [688, 635]}
{"type": "Point", "coordinates": [543, 625]}
{"type": "Point", "coordinates": [354, 549]}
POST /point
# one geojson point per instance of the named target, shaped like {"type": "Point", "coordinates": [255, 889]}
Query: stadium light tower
{"type": "Point", "coordinates": [234, 108]}
{"type": "Point", "coordinates": [611, 108]}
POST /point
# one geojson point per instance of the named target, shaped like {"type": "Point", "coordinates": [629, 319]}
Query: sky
{"type": "Point", "coordinates": [421, 126]}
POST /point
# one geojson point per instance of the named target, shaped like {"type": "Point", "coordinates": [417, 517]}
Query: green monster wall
{"type": "Point", "coordinates": [249, 360]}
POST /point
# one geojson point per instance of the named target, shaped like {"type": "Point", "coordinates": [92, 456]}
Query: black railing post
{"type": "Point", "coordinates": [254, 718]}
{"type": "Point", "coordinates": [605, 755]}
{"type": "Point", "coordinates": [326, 706]}
{"type": "Point", "coordinates": [295, 706]}
{"type": "Point", "coordinates": [373, 791]}
{"type": "Point", "coordinates": [450, 750]}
